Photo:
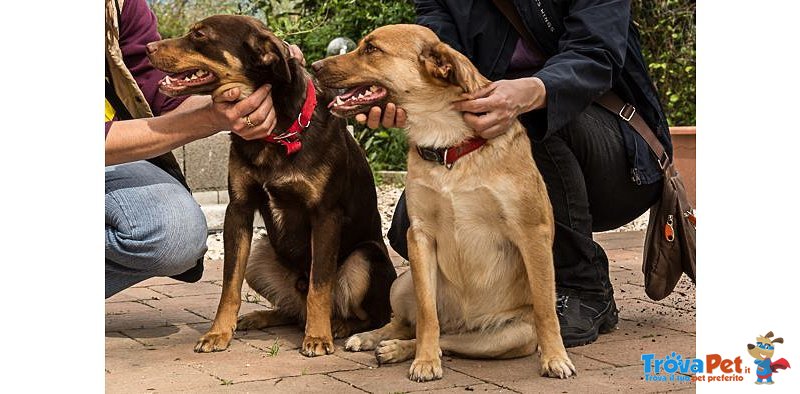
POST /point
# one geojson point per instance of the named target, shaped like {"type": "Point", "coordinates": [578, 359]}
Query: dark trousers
{"type": "Point", "coordinates": [585, 168]}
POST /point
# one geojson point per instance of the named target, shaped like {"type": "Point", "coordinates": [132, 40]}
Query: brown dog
{"type": "Point", "coordinates": [482, 280]}
{"type": "Point", "coordinates": [324, 262]}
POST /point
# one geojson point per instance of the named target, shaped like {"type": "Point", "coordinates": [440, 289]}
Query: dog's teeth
{"type": "Point", "coordinates": [373, 88]}
{"type": "Point", "coordinates": [339, 100]}
{"type": "Point", "coordinates": [192, 77]}
{"type": "Point", "coordinates": [167, 80]}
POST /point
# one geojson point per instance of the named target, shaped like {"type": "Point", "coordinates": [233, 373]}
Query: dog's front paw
{"type": "Point", "coordinates": [424, 370]}
{"type": "Point", "coordinates": [317, 346]}
{"type": "Point", "coordinates": [559, 366]}
{"type": "Point", "coordinates": [213, 341]}
{"type": "Point", "coordinates": [359, 342]}
{"type": "Point", "coordinates": [394, 351]}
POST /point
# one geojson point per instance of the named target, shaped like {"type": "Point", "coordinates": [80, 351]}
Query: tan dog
{"type": "Point", "coordinates": [482, 281]}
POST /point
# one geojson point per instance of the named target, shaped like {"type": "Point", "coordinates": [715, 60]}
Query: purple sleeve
{"type": "Point", "coordinates": [138, 26]}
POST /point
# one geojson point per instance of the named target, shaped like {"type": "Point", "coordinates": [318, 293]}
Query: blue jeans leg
{"type": "Point", "coordinates": [153, 226]}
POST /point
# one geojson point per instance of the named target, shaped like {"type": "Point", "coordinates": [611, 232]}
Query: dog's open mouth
{"type": "Point", "coordinates": [358, 100]}
{"type": "Point", "coordinates": [185, 81]}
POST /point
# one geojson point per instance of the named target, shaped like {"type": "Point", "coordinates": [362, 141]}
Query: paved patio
{"type": "Point", "coordinates": [151, 330]}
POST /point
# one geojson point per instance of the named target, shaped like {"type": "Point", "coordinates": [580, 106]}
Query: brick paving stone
{"type": "Point", "coordinates": [157, 281]}
{"type": "Point", "coordinates": [477, 388]}
{"type": "Point", "coordinates": [289, 337]}
{"type": "Point", "coordinates": [205, 305]}
{"type": "Point", "coordinates": [321, 384]}
{"type": "Point", "coordinates": [393, 378]}
{"type": "Point", "coordinates": [630, 329]}
{"type": "Point", "coordinates": [498, 371]}
{"type": "Point", "coordinates": [620, 240]}
{"type": "Point", "coordinates": [626, 353]}
{"type": "Point", "coordinates": [658, 315]}
{"type": "Point", "coordinates": [129, 315]}
{"type": "Point", "coordinates": [154, 378]}
{"type": "Point", "coordinates": [188, 289]}
{"type": "Point", "coordinates": [246, 363]}
{"type": "Point", "coordinates": [173, 335]}
{"type": "Point", "coordinates": [628, 379]}
{"type": "Point", "coordinates": [135, 294]}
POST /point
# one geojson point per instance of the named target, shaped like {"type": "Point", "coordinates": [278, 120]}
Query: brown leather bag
{"type": "Point", "coordinates": [669, 247]}
{"type": "Point", "coordinates": [670, 243]}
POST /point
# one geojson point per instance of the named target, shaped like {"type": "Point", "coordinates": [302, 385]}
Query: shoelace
{"type": "Point", "coordinates": [561, 303]}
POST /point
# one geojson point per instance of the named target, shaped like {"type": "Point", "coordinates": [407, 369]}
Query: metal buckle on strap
{"type": "Point", "coordinates": [663, 161]}
{"type": "Point", "coordinates": [429, 154]}
{"type": "Point", "coordinates": [285, 136]}
{"type": "Point", "coordinates": [626, 108]}
{"type": "Point", "coordinates": [300, 122]}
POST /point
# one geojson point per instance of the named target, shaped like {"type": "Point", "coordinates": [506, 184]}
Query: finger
{"type": "Point", "coordinates": [400, 121]}
{"type": "Point", "coordinates": [228, 95]}
{"type": "Point", "coordinates": [480, 123]}
{"type": "Point", "coordinates": [260, 114]}
{"type": "Point", "coordinates": [388, 115]}
{"type": "Point", "coordinates": [482, 92]}
{"type": "Point", "coordinates": [361, 118]}
{"type": "Point", "coordinates": [493, 131]}
{"type": "Point", "coordinates": [250, 104]}
{"type": "Point", "coordinates": [374, 117]}
{"type": "Point", "coordinates": [296, 53]}
{"type": "Point", "coordinates": [263, 129]}
{"type": "Point", "coordinates": [477, 106]}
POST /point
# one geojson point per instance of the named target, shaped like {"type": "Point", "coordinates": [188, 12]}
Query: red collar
{"type": "Point", "coordinates": [448, 156]}
{"type": "Point", "coordinates": [291, 137]}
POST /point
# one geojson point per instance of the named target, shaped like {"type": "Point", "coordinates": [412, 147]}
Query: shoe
{"type": "Point", "coordinates": [193, 274]}
{"type": "Point", "coordinates": [584, 317]}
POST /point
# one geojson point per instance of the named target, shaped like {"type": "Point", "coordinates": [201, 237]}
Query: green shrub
{"type": "Point", "coordinates": [667, 30]}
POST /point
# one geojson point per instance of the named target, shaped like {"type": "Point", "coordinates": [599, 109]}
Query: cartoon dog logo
{"type": "Point", "coordinates": [762, 351]}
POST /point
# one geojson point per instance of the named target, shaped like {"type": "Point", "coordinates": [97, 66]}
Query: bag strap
{"type": "Point", "coordinates": [610, 100]}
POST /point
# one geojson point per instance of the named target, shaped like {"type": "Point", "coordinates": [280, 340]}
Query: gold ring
{"type": "Point", "coordinates": [248, 122]}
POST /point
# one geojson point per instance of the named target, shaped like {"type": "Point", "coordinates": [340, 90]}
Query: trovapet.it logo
{"type": "Point", "coordinates": [716, 368]}
{"type": "Point", "coordinates": [677, 368]}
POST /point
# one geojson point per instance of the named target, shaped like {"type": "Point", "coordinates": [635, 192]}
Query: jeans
{"type": "Point", "coordinates": [153, 226]}
{"type": "Point", "coordinates": [588, 179]}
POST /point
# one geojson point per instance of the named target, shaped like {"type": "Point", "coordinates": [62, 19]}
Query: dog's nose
{"type": "Point", "coordinates": [152, 47]}
{"type": "Point", "coordinates": [316, 66]}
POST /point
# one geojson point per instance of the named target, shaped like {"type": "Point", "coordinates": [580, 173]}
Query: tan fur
{"type": "Point", "coordinates": [482, 281]}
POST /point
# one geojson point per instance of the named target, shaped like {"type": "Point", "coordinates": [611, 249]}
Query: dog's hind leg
{"type": "Point", "coordinates": [361, 295]}
{"type": "Point", "coordinates": [279, 285]}
{"type": "Point", "coordinates": [514, 339]}
{"type": "Point", "coordinates": [399, 327]}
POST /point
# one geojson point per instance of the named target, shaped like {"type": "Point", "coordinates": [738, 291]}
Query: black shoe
{"type": "Point", "coordinates": [193, 274]}
{"type": "Point", "coordinates": [584, 317]}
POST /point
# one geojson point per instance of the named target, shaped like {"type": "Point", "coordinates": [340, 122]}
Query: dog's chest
{"type": "Point", "coordinates": [470, 225]}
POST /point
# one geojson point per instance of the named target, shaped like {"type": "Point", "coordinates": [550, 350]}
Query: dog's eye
{"type": "Point", "coordinates": [198, 34]}
{"type": "Point", "coordinates": [369, 48]}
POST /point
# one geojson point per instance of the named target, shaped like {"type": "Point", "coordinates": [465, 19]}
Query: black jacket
{"type": "Point", "coordinates": [592, 46]}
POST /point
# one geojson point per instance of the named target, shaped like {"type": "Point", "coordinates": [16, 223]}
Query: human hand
{"type": "Point", "coordinates": [296, 53]}
{"type": "Point", "coordinates": [252, 118]}
{"type": "Point", "coordinates": [394, 117]}
{"type": "Point", "coordinates": [491, 110]}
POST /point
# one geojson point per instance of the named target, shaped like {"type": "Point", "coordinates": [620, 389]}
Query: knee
{"type": "Point", "coordinates": [168, 244]}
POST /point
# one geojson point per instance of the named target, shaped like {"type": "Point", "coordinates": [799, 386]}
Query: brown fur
{"type": "Point", "coordinates": [482, 281]}
{"type": "Point", "coordinates": [323, 263]}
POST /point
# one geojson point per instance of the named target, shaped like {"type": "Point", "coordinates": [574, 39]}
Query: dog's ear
{"type": "Point", "coordinates": [777, 340]}
{"type": "Point", "coordinates": [273, 53]}
{"type": "Point", "coordinates": [769, 335]}
{"type": "Point", "coordinates": [446, 64]}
